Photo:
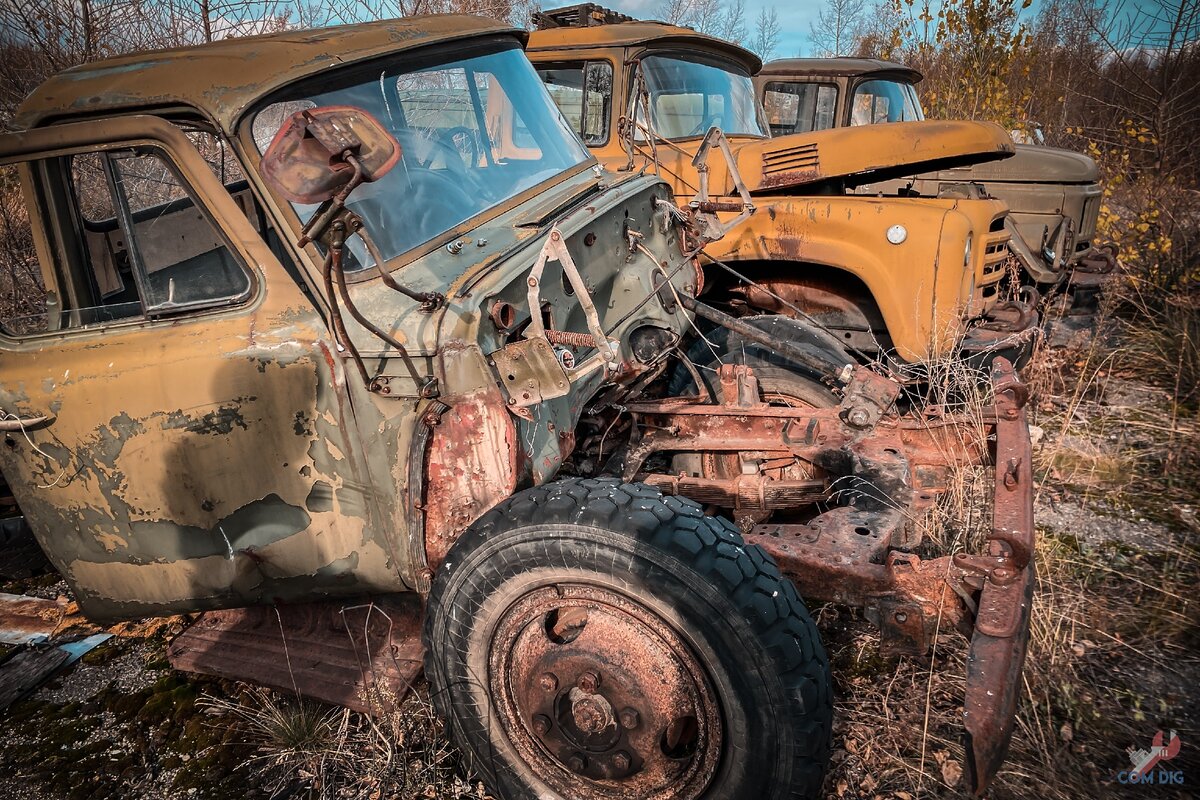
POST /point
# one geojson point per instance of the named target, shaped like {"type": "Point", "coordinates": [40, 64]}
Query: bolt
{"type": "Point", "coordinates": [901, 617]}
{"type": "Point", "coordinates": [859, 417]}
{"type": "Point", "coordinates": [588, 682]}
{"type": "Point", "coordinates": [541, 724]}
{"type": "Point", "coordinates": [1002, 575]}
{"type": "Point", "coordinates": [621, 761]}
{"type": "Point", "coordinates": [1010, 413]}
{"type": "Point", "coordinates": [548, 681]}
{"type": "Point", "coordinates": [630, 718]}
{"type": "Point", "coordinates": [577, 763]}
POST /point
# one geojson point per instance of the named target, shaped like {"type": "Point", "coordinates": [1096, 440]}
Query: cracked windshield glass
{"type": "Point", "coordinates": [689, 97]}
{"type": "Point", "coordinates": [474, 133]}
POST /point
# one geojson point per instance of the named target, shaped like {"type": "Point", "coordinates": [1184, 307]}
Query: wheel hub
{"type": "Point", "coordinates": [601, 698]}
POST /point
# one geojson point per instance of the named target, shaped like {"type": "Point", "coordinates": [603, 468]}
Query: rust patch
{"type": "Point", "coordinates": [472, 465]}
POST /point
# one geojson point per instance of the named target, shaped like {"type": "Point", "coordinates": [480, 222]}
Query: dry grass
{"type": "Point", "coordinates": [304, 749]}
{"type": "Point", "coordinates": [1113, 655]}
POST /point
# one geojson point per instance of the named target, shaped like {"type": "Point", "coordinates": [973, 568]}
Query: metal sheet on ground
{"type": "Point", "coordinates": [364, 656]}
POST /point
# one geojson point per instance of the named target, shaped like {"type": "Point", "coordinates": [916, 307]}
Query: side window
{"type": "Point", "coordinates": [583, 92]}
{"type": "Point", "coordinates": [176, 251]}
{"type": "Point", "coordinates": [23, 307]}
{"type": "Point", "coordinates": [877, 101]}
{"type": "Point", "coordinates": [132, 241]}
{"type": "Point", "coordinates": [799, 107]}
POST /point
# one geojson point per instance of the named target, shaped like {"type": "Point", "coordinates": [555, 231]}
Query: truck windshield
{"type": "Point", "coordinates": [689, 97]}
{"type": "Point", "coordinates": [884, 101]}
{"type": "Point", "coordinates": [474, 133]}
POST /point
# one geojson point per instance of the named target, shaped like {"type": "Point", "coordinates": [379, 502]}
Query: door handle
{"type": "Point", "coordinates": [11, 422]}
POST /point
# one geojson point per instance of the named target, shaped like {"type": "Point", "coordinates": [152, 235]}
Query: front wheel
{"type": "Point", "coordinates": [593, 639]}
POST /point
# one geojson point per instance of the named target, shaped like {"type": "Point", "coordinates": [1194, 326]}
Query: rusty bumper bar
{"type": "Point", "coordinates": [1001, 634]}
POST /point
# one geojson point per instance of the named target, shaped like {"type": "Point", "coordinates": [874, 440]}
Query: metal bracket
{"type": "Point", "coordinates": [706, 209]}
{"type": "Point", "coordinates": [555, 249]}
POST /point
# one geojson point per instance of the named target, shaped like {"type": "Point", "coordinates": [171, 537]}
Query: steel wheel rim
{"type": "Point", "coordinates": [594, 717]}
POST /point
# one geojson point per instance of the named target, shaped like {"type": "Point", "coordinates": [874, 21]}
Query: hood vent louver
{"type": "Point", "coordinates": [800, 158]}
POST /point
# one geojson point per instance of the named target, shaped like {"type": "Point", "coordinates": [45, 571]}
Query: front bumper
{"type": "Point", "coordinates": [910, 599]}
{"type": "Point", "coordinates": [1009, 331]}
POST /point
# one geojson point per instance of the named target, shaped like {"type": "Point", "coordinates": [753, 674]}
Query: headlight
{"type": "Point", "coordinates": [967, 250]}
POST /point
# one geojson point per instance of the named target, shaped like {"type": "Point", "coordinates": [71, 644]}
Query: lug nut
{"type": "Point", "coordinates": [548, 681]}
{"type": "Point", "coordinates": [588, 682]}
{"type": "Point", "coordinates": [541, 724]}
{"type": "Point", "coordinates": [577, 763]}
{"type": "Point", "coordinates": [621, 761]}
{"type": "Point", "coordinates": [630, 718]}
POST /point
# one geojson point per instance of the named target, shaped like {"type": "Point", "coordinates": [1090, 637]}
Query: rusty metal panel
{"type": "Point", "coordinates": [24, 619]}
{"type": "Point", "coordinates": [363, 656]}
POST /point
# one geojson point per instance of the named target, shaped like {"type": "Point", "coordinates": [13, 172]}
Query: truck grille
{"type": "Point", "coordinates": [1091, 213]}
{"type": "Point", "coordinates": [992, 264]}
{"type": "Point", "coordinates": [792, 159]}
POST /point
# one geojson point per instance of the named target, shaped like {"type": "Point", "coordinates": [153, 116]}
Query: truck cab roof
{"type": "Point", "coordinates": [222, 79]}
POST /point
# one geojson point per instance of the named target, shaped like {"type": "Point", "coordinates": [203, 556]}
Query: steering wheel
{"type": "Point", "coordinates": [459, 139]}
{"type": "Point", "coordinates": [451, 144]}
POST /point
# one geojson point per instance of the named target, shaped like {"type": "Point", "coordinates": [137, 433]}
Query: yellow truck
{"type": "Point", "coordinates": [910, 277]}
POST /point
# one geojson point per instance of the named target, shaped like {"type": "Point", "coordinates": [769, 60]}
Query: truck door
{"type": "Point", "coordinates": [177, 428]}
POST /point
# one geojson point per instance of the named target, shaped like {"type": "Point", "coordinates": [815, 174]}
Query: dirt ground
{"type": "Point", "coordinates": [1115, 655]}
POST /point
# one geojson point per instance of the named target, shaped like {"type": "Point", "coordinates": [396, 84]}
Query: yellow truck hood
{"type": "Point", "coordinates": [868, 154]}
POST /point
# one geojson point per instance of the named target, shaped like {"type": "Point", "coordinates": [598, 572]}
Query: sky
{"type": "Point", "coordinates": [796, 17]}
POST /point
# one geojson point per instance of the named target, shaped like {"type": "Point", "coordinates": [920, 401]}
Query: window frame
{"type": "Point", "coordinates": [31, 150]}
{"type": "Point", "coordinates": [853, 87]}
{"type": "Point", "coordinates": [289, 221]}
{"type": "Point", "coordinates": [612, 75]}
{"type": "Point", "coordinates": [837, 99]}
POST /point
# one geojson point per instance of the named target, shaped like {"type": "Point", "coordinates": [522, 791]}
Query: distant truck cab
{"type": "Point", "coordinates": [1053, 195]}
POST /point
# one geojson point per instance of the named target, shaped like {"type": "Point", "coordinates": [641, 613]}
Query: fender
{"type": "Point", "coordinates": [908, 281]}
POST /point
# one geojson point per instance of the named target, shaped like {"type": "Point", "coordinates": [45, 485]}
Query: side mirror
{"type": "Point", "coordinates": [321, 152]}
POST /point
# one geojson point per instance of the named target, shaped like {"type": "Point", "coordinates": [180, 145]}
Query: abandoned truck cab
{"type": "Point", "coordinates": [917, 278]}
{"type": "Point", "coordinates": [1052, 194]}
{"type": "Point", "coordinates": [368, 342]}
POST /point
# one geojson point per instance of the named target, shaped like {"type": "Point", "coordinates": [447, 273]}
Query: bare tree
{"type": "Point", "coordinates": [838, 27]}
{"type": "Point", "coordinates": [767, 33]}
{"type": "Point", "coordinates": [733, 22]}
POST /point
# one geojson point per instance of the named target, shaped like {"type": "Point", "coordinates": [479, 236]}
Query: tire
{"type": "Point", "coordinates": [20, 554]}
{"type": "Point", "coordinates": [776, 373]}
{"type": "Point", "coordinates": [719, 628]}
